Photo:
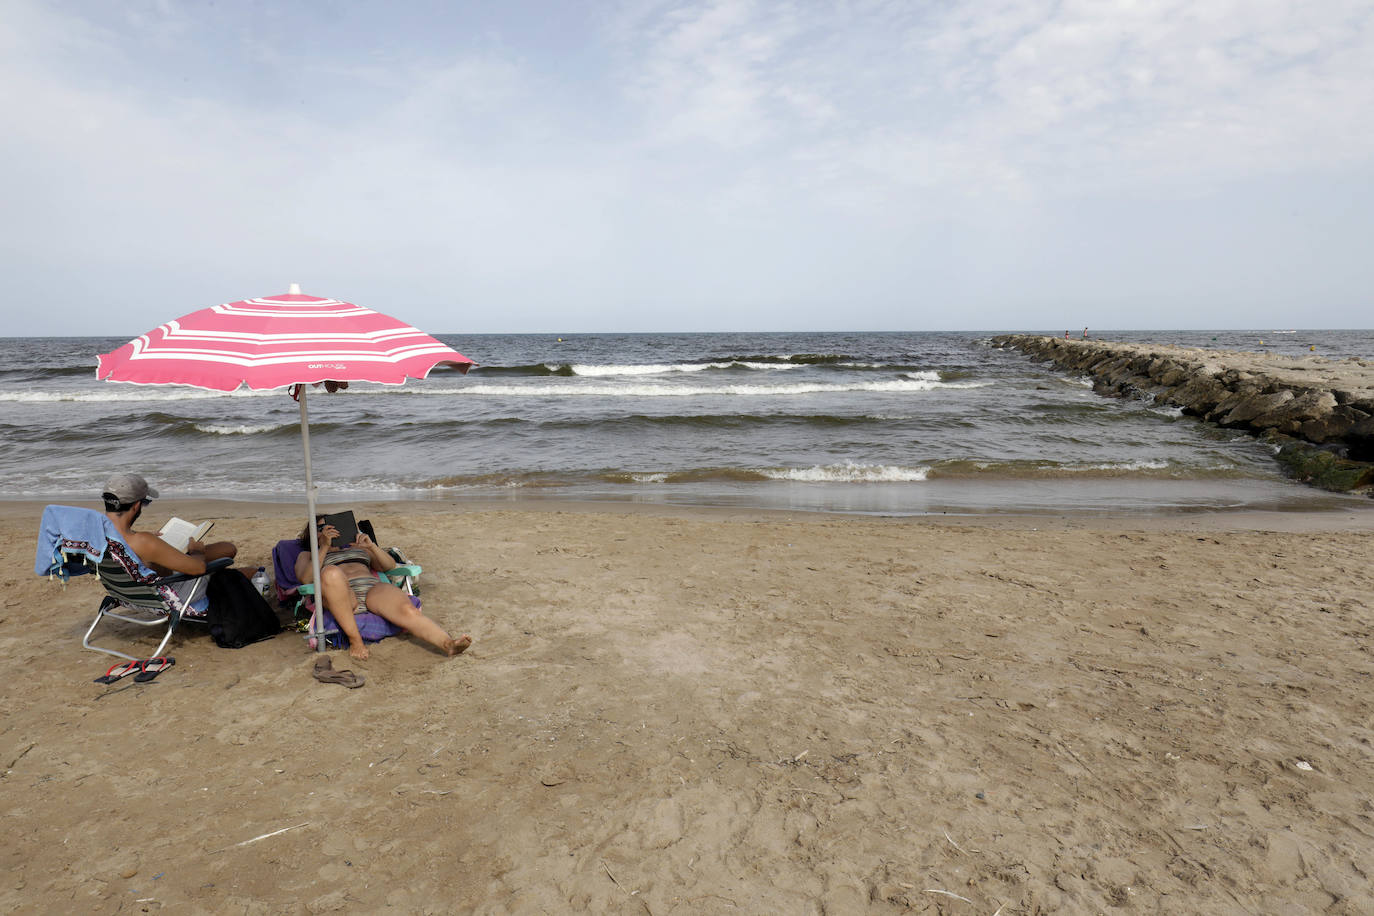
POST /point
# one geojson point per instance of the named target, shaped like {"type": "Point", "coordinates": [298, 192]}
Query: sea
{"type": "Point", "coordinates": [893, 423]}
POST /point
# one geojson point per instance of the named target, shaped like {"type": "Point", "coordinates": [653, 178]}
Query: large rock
{"type": "Point", "coordinates": [1341, 421]}
{"type": "Point", "coordinates": [1306, 407]}
{"type": "Point", "coordinates": [1199, 394]}
{"type": "Point", "coordinates": [1173, 375]}
{"type": "Point", "coordinates": [1236, 394]}
{"type": "Point", "coordinates": [1360, 438]}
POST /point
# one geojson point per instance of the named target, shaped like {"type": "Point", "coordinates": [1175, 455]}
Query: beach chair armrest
{"type": "Point", "coordinates": [210, 567]}
{"type": "Point", "coordinates": [304, 595]}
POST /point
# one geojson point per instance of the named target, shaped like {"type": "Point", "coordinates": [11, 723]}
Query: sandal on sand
{"type": "Point", "coordinates": [119, 670]}
{"type": "Point", "coordinates": [325, 674]}
{"type": "Point", "coordinates": [153, 667]}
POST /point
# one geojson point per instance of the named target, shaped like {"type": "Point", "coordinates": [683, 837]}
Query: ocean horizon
{"type": "Point", "coordinates": [889, 423]}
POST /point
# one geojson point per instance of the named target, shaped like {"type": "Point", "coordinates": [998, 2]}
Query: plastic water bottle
{"type": "Point", "coordinates": [260, 581]}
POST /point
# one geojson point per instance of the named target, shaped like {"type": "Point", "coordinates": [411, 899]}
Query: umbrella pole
{"type": "Point", "coordinates": [316, 619]}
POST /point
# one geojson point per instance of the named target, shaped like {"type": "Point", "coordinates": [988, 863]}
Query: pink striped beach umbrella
{"type": "Point", "coordinates": [283, 341]}
{"type": "Point", "coordinates": [278, 341]}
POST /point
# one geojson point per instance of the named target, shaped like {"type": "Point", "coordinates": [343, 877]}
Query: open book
{"type": "Point", "coordinates": [178, 532]}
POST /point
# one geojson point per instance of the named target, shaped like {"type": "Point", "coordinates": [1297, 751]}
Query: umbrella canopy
{"type": "Point", "coordinates": [278, 341]}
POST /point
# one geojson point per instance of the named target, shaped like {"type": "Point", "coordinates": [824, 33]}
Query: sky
{"type": "Point", "coordinates": [692, 166]}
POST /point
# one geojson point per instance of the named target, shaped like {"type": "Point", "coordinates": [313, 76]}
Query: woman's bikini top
{"type": "Point", "coordinates": [347, 555]}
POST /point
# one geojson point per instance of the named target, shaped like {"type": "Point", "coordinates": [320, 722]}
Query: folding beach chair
{"type": "Point", "coordinates": [74, 541]}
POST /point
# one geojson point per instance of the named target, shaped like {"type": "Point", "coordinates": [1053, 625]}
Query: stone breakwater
{"type": "Point", "coordinates": [1319, 413]}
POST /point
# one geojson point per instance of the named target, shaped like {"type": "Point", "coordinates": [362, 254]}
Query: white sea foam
{"type": "Point", "coordinates": [646, 369]}
{"type": "Point", "coordinates": [764, 367]}
{"type": "Point", "coordinates": [1144, 464]}
{"type": "Point", "coordinates": [649, 390]}
{"type": "Point", "coordinates": [934, 377]}
{"type": "Point", "coordinates": [849, 473]}
{"type": "Point", "coordinates": [129, 395]}
{"type": "Point", "coordinates": [241, 429]}
{"type": "Point", "coordinates": [589, 371]}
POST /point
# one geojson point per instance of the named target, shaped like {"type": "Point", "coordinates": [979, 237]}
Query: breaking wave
{"type": "Point", "coordinates": [650, 390]}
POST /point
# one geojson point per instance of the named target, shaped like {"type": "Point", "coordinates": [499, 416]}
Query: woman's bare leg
{"type": "Point", "coordinates": [340, 601]}
{"type": "Point", "coordinates": [390, 602]}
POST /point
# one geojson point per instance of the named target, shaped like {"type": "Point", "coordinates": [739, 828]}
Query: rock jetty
{"type": "Point", "coordinates": [1318, 412]}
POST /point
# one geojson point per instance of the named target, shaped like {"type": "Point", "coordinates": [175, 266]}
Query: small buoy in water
{"type": "Point", "coordinates": [1313, 347]}
{"type": "Point", "coordinates": [1261, 343]}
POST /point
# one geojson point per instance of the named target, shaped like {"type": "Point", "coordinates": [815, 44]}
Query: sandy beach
{"type": "Point", "coordinates": [695, 711]}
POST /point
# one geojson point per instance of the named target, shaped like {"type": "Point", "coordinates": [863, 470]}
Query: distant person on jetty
{"type": "Point", "coordinates": [125, 495]}
{"type": "Point", "coordinates": [349, 585]}
{"type": "Point", "coordinates": [1085, 333]}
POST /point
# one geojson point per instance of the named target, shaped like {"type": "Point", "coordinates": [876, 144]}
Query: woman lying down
{"type": "Point", "coordinates": [350, 586]}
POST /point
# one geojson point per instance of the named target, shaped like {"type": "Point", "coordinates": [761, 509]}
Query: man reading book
{"type": "Point", "coordinates": [125, 496]}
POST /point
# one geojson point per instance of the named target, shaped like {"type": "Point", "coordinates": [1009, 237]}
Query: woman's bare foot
{"type": "Point", "coordinates": [457, 646]}
{"type": "Point", "coordinates": [359, 650]}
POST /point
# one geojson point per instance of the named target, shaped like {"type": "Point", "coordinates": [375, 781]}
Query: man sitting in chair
{"type": "Point", "coordinates": [125, 496]}
{"type": "Point", "coordinates": [350, 585]}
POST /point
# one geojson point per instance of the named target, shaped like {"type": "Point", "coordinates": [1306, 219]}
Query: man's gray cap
{"type": "Point", "coordinates": [129, 488]}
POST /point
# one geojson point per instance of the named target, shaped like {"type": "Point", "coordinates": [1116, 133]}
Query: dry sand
{"type": "Point", "coordinates": [698, 712]}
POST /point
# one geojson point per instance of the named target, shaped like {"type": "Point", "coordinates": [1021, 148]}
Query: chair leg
{"type": "Point", "coordinates": [107, 607]}
{"type": "Point", "coordinates": [166, 637]}
{"type": "Point", "coordinates": [86, 640]}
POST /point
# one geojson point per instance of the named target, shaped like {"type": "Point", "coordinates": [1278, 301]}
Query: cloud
{"type": "Point", "coordinates": [735, 159]}
{"type": "Point", "coordinates": [1053, 96]}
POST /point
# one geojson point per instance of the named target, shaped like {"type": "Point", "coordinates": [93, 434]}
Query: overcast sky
{"type": "Point", "coordinates": [645, 165]}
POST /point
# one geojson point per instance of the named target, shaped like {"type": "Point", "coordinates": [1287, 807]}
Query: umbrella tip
{"type": "Point", "coordinates": [295, 290]}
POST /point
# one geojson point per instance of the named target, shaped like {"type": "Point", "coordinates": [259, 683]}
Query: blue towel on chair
{"type": "Point", "coordinates": [68, 530]}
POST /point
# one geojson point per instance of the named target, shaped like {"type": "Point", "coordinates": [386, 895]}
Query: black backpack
{"type": "Point", "coordinates": [238, 615]}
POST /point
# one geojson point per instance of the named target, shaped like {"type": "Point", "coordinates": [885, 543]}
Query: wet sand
{"type": "Point", "coordinates": [677, 710]}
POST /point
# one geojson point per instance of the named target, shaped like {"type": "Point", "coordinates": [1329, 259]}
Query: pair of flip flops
{"type": "Point", "coordinates": [325, 674]}
{"type": "Point", "coordinates": [143, 669]}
